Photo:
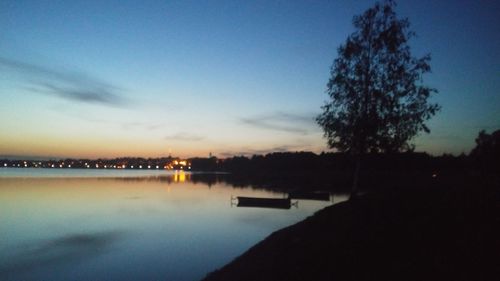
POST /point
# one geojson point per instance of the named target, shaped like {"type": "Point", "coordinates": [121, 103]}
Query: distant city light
{"type": "Point", "coordinates": [177, 165]}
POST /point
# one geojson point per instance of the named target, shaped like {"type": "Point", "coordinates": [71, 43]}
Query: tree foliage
{"type": "Point", "coordinates": [487, 145]}
{"type": "Point", "coordinates": [378, 102]}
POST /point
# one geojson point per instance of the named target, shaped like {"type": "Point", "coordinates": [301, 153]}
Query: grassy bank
{"type": "Point", "coordinates": [440, 233]}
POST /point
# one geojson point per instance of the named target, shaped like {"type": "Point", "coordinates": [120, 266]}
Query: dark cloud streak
{"type": "Point", "coordinates": [67, 85]}
{"type": "Point", "coordinates": [101, 96]}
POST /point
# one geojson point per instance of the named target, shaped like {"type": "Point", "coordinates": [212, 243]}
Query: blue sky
{"type": "Point", "coordinates": [152, 78]}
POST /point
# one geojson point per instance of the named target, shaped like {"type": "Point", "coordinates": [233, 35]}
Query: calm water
{"type": "Point", "coordinates": [58, 224]}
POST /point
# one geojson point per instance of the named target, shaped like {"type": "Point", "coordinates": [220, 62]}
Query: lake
{"type": "Point", "coordinates": [72, 224]}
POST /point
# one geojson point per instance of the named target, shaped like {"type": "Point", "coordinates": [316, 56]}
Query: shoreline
{"type": "Point", "coordinates": [439, 234]}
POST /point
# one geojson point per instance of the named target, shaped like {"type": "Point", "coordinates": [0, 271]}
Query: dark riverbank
{"type": "Point", "coordinates": [440, 233]}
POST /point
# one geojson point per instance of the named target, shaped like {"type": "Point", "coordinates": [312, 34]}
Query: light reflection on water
{"type": "Point", "coordinates": [101, 226]}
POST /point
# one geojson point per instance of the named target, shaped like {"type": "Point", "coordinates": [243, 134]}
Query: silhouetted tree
{"type": "Point", "coordinates": [487, 144]}
{"type": "Point", "coordinates": [378, 102]}
{"type": "Point", "coordinates": [487, 150]}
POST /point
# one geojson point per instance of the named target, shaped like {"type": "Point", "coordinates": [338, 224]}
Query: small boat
{"type": "Point", "coordinates": [277, 203]}
{"type": "Point", "coordinates": [307, 195]}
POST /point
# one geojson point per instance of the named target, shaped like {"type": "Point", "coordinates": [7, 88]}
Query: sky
{"type": "Point", "coordinates": [189, 78]}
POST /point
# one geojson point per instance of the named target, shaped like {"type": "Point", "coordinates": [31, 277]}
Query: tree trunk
{"type": "Point", "coordinates": [355, 182]}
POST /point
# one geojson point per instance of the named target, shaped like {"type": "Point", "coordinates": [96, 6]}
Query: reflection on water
{"type": "Point", "coordinates": [180, 176]}
{"type": "Point", "coordinates": [167, 226]}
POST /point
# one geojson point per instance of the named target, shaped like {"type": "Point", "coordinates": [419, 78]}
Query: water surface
{"type": "Point", "coordinates": [58, 224]}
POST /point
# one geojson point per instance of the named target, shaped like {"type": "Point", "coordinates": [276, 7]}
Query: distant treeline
{"type": "Point", "coordinates": [335, 170]}
{"type": "Point", "coordinates": [484, 159]}
{"type": "Point", "coordinates": [308, 161]}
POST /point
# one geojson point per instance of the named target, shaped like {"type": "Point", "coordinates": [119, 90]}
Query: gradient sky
{"type": "Point", "coordinates": [150, 78]}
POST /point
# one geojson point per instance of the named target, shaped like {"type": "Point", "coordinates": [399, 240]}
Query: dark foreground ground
{"type": "Point", "coordinates": [438, 233]}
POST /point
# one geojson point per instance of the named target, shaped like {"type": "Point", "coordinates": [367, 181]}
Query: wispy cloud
{"type": "Point", "coordinates": [184, 137]}
{"type": "Point", "coordinates": [142, 125]}
{"type": "Point", "coordinates": [69, 85]}
{"type": "Point", "coordinates": [128, 126]}
{"type": "Point", "coordinates": [280, 121]}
